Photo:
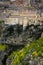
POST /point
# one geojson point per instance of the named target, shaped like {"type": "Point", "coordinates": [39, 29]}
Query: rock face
{"type": "Point", "coordinates": [1, 56]}
{"type": "Point", "coordinates": [33, 62]}
{"type": "Point", "coordinates": [14, 34]}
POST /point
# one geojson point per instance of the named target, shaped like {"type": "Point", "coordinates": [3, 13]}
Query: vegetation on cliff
{"type": "Point", "coordinates": [3, 47]}
{"type": "Point", "coordinates": [34, 50]}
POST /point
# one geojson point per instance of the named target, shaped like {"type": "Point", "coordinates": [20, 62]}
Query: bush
{"type": "Point", "coordinates": [3, 47]}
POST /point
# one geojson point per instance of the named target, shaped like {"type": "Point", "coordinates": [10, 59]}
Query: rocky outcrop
{"type": "Point", "coordinates": [15, 34]}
